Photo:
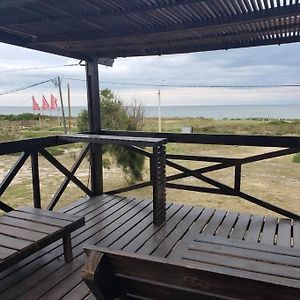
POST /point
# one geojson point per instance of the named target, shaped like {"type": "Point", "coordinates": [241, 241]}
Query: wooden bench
{"type": "Point", "coordinates": [119, 275]}
{"type": "Point", "coordinates": [27, 230]}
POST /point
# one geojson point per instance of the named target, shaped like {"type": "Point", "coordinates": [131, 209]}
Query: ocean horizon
{"type": "Point", "coordinates": [287, 112]}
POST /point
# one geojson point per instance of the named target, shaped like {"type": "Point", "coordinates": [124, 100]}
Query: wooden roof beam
{"type": "Point", "coordinates": [143, 7]}
{"type": "Point", "coordinates": [279, 12]}
{"type": "Point", "coordinates": [201, 48]}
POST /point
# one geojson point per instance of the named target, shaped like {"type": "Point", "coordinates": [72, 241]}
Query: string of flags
{"type": "Point", "coordinates": [45, 104]}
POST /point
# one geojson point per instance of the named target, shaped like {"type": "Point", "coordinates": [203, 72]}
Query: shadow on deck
{"type": "Point", "coordinates": [123, 223]}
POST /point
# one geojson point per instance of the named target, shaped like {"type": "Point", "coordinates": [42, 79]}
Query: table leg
{"type": "Point", "coordinates": [67, 243]}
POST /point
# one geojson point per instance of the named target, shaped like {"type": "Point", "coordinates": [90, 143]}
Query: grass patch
{"type": "Point", "coordinates": [56, 151]}
{"type": "Point", "coordinates": [296, 158]}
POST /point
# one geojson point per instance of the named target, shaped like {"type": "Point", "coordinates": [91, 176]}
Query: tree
{"type": "Point", "coordinates": [116, 116]}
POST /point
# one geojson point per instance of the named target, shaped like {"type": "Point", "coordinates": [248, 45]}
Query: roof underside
{"type": "Point", "coordinates": [122, 28]}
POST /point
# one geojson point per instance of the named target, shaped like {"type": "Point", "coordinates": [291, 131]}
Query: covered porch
{"type": "Point", "coordinates": [257, 251]}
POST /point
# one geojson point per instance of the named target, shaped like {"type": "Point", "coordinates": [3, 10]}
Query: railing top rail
{"type": "Point", "coordinates": [114, 139]}
{"type": "Point", "coordinates": [30, 145]}
{"type": "Point", "coordinates": [216, 139]}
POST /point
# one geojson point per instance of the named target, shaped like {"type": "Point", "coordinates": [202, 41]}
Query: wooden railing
{"type": "Point", "coordinates": [30, 149]}
{"type": "Point", "coordinates": [287, 145]}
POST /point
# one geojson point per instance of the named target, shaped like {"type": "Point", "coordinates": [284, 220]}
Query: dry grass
{"type": "Point", "coordinates": [276, 180]}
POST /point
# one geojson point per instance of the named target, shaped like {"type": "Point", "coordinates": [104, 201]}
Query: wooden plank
{"type": "Point", "coordinates": [249, 245]}
{"type": "Point", "coordinates": [139, 229]}
{"type": "Point", "coordinates": [246, 265]}
{"type": "Point", "coordinates": [165, 231]}
{"type": "Point", "coordinates": [150, 231]}
{"type": "Point", "coordinates": [33, 258]}
{"type": "Point", "coordinates": [227, 224]}
{"type": "Point", "coordinates": [214, 223]}
{"type": "Point", "coordinates": [13, 243]}
{"type": "Point", "coordinates": [193, 231]}
{"type": "Point", "coordinates": [43, 280]}
{"type": "Point", "coordinates": [167, 245]}
{"type": "Point", "coordinates": [211, 283]}
{"type": "Point", "coordinates": [296, 234]}
{"type": "Point", "coordinates": [254, 230]}
{"type": "Point", "coordinates": [45, 277]}
{"type": "Point", "coordinates": [43, 228]}
{"type": "Point", "coordinates": [92, 238]}
{"type": "Point", "coordinates": [63, 287]}
{"type": "Point", "coordinates": [284, 232]}
{"type": "Point", "coordinates": [134, 218]}
{"type": "Point", "coordinates": [114, 139]}
{"type": "Point", "coordinates": [5, 252]}
{"type": "Point", "coordinates": [81, 291]}
{"type": "Point", "coordinates": [240, 227]}
{"type": "Point", "coordinates": [38, 219]}
{"type": "Point", "coordinates": [21, 233]}
{"type": "Point", "coordinates": [48, 213]}
{"type": "Point", "coordinates": [269, 231]}
{"type": "Point", "coordinates": [231, 251]}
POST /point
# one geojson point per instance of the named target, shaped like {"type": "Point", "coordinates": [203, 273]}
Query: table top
{"type": "Point", "coordinates": [27, 229]}
{"type": "Point", "coordinates": [114, 139]}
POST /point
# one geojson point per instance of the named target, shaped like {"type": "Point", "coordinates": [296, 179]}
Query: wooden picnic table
{"type": "Point", "coordinates": [27, 230]}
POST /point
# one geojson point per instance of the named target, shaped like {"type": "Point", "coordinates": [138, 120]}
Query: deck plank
{"type": "Point", "coordinates": [227, 224]}
{"type": "Point", "coordinates": [165, 247]}
{"type": "Point", "coordinates": [240, 227]}
{"type": "Point", "coordinates": [254, 230]}
{"type": "Point", "coordinates": [126, 224]}
{"type": "Point", "coordinates": [284, 232]}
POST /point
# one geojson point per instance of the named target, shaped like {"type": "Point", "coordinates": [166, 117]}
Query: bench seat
{"type": "Point", "coordinates": [115, 274]}
{"type": "Point", "coordinates": [27, 230]}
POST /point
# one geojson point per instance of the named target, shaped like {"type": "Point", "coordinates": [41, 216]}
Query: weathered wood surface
{"type": "Point", "coordinates": [121, 223]}
{"type": "Point", "coordinates": [114, 274]}
{"type": "Point", "coordinates": [114, 139]}
{"type": "Point", "coordinates": [118, 28]}
{"type": "Point", "coordinates": [27, 230]}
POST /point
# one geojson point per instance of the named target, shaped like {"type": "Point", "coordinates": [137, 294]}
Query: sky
{"type": "Point", "coordinates": [252, 66]}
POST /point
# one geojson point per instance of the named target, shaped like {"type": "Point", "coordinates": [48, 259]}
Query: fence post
{"type": "Point", "coordinates": [35, 179]}
{"type": "Point", "coordinates": [158, 178]}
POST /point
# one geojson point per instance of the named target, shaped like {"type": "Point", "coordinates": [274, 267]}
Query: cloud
{"type": "Point", "coordinates": [252, 66]}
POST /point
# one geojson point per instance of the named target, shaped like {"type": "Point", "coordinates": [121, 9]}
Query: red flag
{"type": "Point", "coordinates": [35, 105]}
{"type": "Point", "coordinates": [53, 102]}
{"type": "Point", "coordinates": [46, 105]}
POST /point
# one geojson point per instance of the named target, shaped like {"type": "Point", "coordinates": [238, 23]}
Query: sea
{"type": "Point", "coordinates": [285, 112]}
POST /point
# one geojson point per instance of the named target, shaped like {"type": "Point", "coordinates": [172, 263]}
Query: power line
{"type": "Point", "coordinates": [38, 68]}
{"type": "Point", "coordinates": [189, 86]}
{"type": "Point", "coordinates": [25, 87]}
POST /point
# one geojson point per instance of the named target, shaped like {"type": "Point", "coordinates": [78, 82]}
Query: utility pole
{"type": "Point", "coordinates": [159, 112]}
{"type": "Point", "coordinates": [69, 106]}
{"type": "Point", "coordinates": [57, 82]}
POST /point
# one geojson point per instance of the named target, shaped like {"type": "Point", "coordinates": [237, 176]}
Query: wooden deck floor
{"type": "Point", "coordinates": [123, 223]}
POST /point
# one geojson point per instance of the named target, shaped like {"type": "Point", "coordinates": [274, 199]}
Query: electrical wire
{"type": "Point", "coordinates": [25, 87]}
{"type": "Point", "coordinates": [39, 68]}
{"type": "Point", "coordinates": [189, 86]}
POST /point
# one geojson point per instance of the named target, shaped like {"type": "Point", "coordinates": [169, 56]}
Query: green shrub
{"type": "Point", "coordinates": [296, 158]}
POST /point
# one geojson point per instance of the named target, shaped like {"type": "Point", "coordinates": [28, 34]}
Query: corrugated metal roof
{"type": "Point", "coordinates": [116, 28]}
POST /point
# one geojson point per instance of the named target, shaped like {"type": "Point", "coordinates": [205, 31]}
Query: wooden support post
{"type": "Point", "coordinates": [35, 179]}
{"type": "Point", "coordinates": [158, 177]}
{"type": "Point", "coordinates": [237, 177]}
{"type": "Point", "coordinates": [67, 243]}
{"type": "Point", "coordinates": [93, 96]}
